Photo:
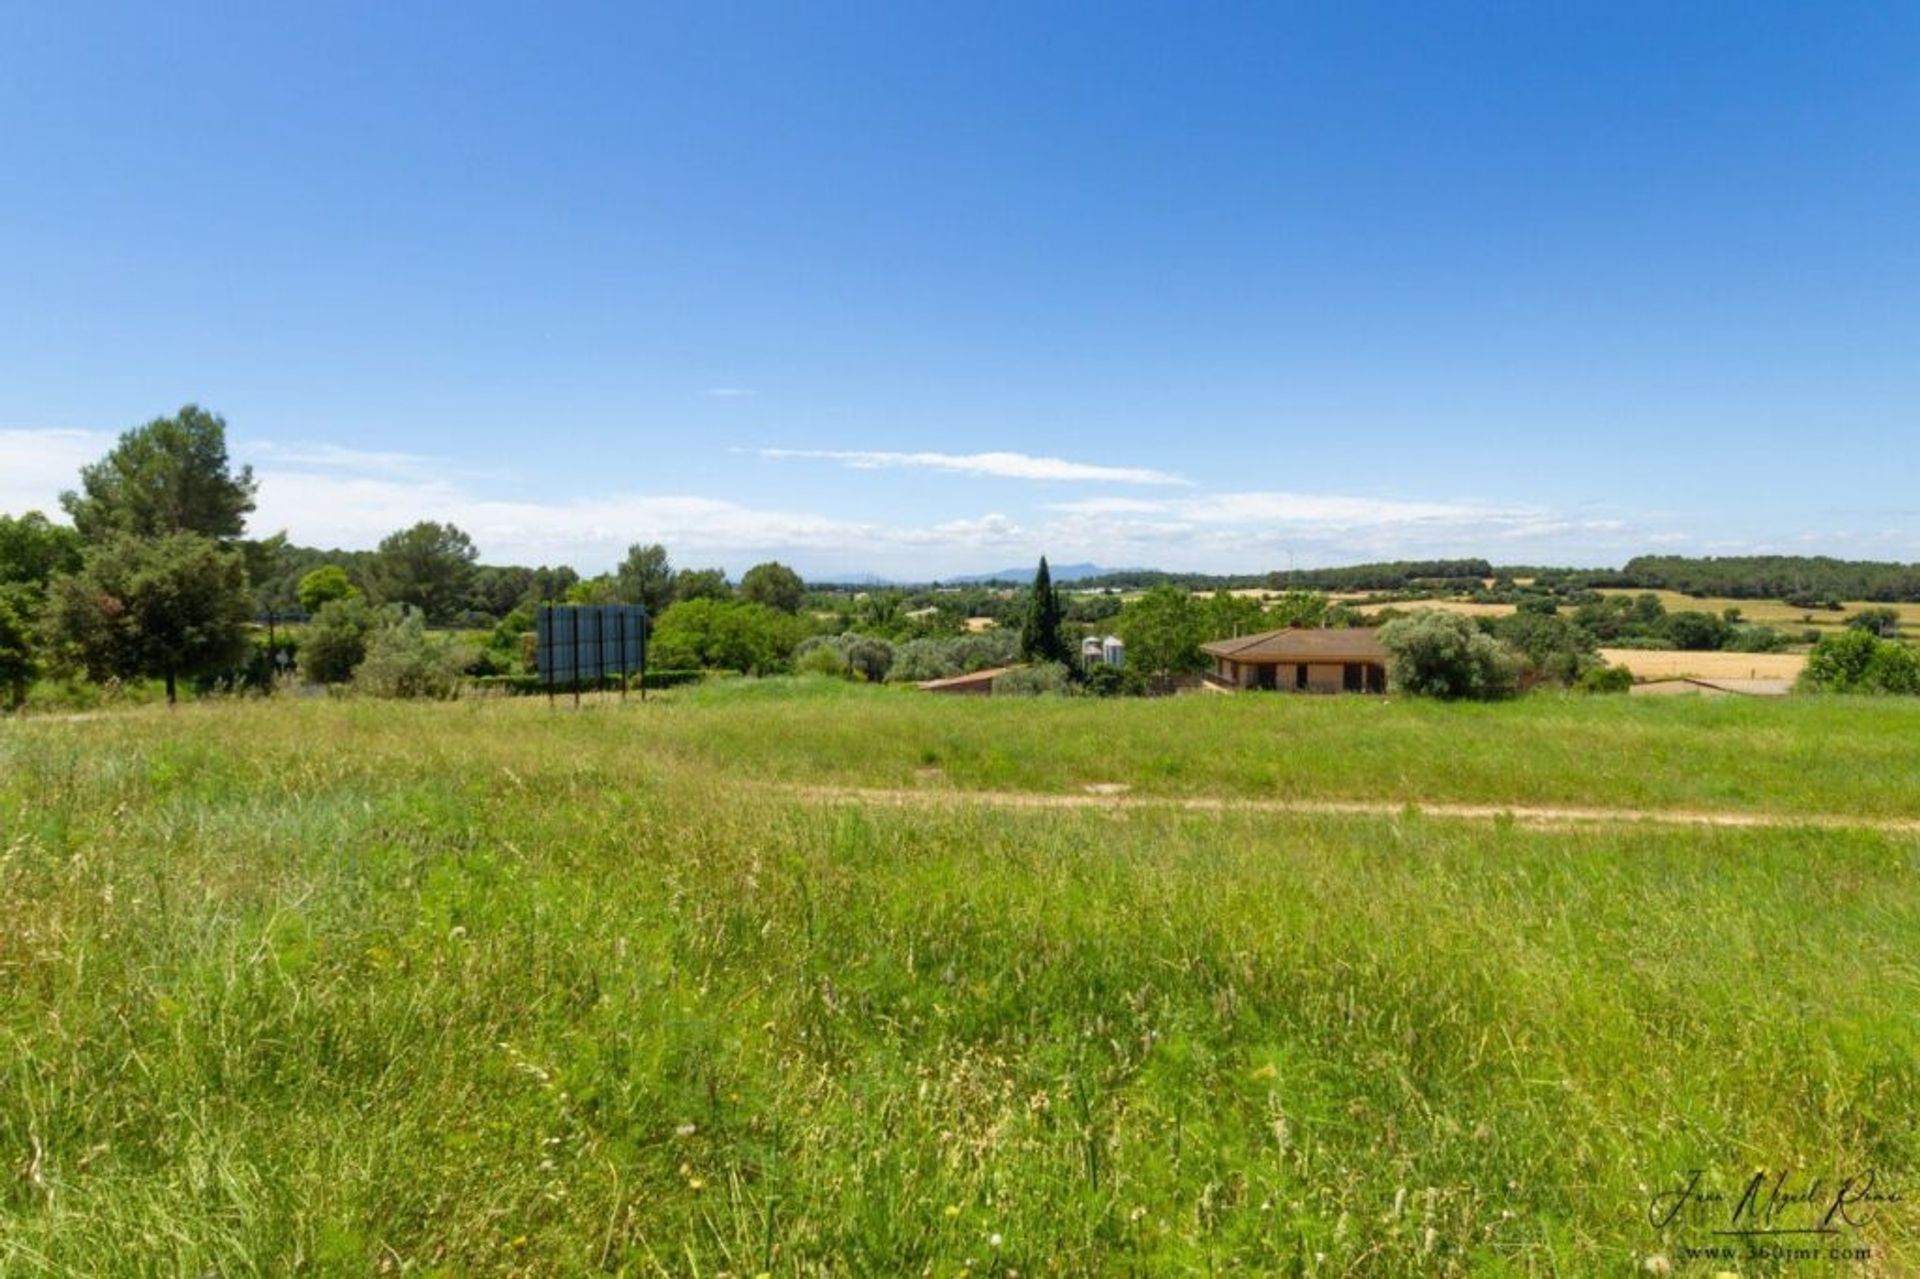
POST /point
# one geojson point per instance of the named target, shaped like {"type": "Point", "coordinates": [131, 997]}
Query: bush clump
{"type": "Point", "coordinates": [1605, 679]}
{"type": "Point", "coordinates": [1044, 679]}
{"type": "Point", "coordinates": [1444, 655]}
{"type": "Point", "coordinates": [1859, 661]}
{"type": "Point", "coordinates": [336, 641]}
{"type": "Point", "coordinates": [403, 661]}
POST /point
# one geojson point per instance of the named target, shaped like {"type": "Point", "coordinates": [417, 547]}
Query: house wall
{"type": "Point", "coordinates": [1325, 677]}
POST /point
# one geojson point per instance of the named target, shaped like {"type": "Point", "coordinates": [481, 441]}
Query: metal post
{"type": "Point", "coordinates": [545, 660]}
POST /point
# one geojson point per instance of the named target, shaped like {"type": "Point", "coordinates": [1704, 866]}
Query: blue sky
{"type": "Point", "coordinates": [920, 289]}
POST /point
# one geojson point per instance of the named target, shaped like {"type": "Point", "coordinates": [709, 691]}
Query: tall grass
{"type": "Point", "coordinates": [346, 987]}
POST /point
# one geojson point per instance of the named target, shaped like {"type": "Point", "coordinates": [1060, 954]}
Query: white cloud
{"type": "Point", "coordinates": [731, 392]}
{"type": "Point", "coordinates": [329, 496]}
{"type": "Point", "coordinates": [1007, 466]}
{"type": "Point", "coordinates": [37, 465]}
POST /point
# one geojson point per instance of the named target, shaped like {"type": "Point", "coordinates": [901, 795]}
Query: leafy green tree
{"type": "Point", "coordinates": [775, 585]}
{"type": "Point", "coordinates": [701, 584]}
{"type": "Point", "coordinates": [1163, 631]}
{"type": "Point", "coordinates": [594, 590]}
{"type": "Point", "coordinates": [497, 590]}
{"type": "Point", "coordinates": [34, 550]}
{"type": "Point", "coordinates": [645, 577]}
{"type": "Point", "coordinates": [1225, 615]}
{"type": "Point", "coordinates": [19, 656]}
{"type": "Point", "coordinates": [428, 566]}
{"type": "Point", "coordinates": [324, 585]}
{"type": "Point", "coordinates": [1551, 647]}
{"type": "Point", "coordinates": [549, 585]}
{"type": "Point", "coordinates": [170, 476]}
{"type": "Point", "coordinates": [1298, 608]}
{"type": "Point", "coordinates": [1041, 639]}
{"type": "Point", "coordinates": [1838, 663]}
{"type": "Point", "coordinates": [335, 642]}
{"type": "Point", "coordinates": [1858, 661]}
{"type": "Point", "coordinates": [169, 606]}
{"type": "Point", "coordinates": [736, 635]}
{"type": "Point", "coordinates": [1694, 630]}
{"type": "Point", "coordinates": [1433, 654]}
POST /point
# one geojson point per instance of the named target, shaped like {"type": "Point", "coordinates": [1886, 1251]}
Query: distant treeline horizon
{"type": "Point", "coordinates": [1814, 580]}
{"type": "Point", "coordinates": [1811, 581]}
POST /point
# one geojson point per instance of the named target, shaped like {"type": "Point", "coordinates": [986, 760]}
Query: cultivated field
{"type": "Point", "coordinates": [798, 978]}
{"type": "Point", "coordinates": [1774, 612]}
{"type": "Point", "coordinates": [1665, 663]}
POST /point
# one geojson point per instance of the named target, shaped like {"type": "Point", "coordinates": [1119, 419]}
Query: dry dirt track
{"type": "Point", "coordinates": [1536, 816]}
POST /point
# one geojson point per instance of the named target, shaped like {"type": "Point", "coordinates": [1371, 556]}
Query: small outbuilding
{"type": "Point", "coordinates": [972, 684]}
{"type": "Point", "coordinates": [1299, 659]}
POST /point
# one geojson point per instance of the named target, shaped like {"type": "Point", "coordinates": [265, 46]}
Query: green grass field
{"type": "Point", "coordinates": [349, 987]}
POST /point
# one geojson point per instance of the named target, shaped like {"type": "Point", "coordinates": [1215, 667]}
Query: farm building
{"type": "Point", "coordinates": [972, 684]}
{"type": "Point", "coordinates": [1302, 659]}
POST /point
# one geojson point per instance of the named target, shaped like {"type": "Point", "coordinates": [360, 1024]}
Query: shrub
{"type": "Point", "coordinates": [851, 654]}
{"type": "Point", "coordinates": [725, 635]}
{"type": "Point", "coordinates": [1694, 630]}
{"type": "Point", "coordinates": [1858, 661]}
{"type": "Point", "coordinates": [335, 642]}
{"type": "Point", "coordinates": [822, 658]}
{"type": "Point", "coordinates": [1034, 681]}
{"type": "Point", "coordinates": [922, 659]}
{"type": "Point", "coordinates": [1551, 648]}
{"type": "Point", "coordinates": [1753, 639]}
{"type": "Point", "coordinates": [1605, 679]}
{"type": "Point", "coordinates": [1883, 622]}
{"type": "Point", "coordinates": [19, 660]}
{"type": "Point", "coordinates": [1445, 655]}
{"type": "Point", "coordinates": [404, 661]}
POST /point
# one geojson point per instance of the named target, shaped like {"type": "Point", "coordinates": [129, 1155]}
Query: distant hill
{"type": "Point", "coordinates": [1060, 573]}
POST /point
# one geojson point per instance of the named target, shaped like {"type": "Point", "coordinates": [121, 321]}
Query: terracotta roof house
{"type": "Point", "coordinates": [1302, 659]}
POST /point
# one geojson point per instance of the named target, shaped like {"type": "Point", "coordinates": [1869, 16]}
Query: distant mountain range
{"type": "Point", "coordinates": [1005, 576]}
{"type": "Point", "coordinates": [1060, 572]}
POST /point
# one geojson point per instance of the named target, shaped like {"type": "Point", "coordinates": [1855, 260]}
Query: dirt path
{"type": "Point", "coordinates": [1535, 816]}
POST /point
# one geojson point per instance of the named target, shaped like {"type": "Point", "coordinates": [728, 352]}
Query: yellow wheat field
{"type": "Point", "coordinates": [1663, 663]}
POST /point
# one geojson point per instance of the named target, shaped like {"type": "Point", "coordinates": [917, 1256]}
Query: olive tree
{"type": "Point", "coordinates": [1433, 654]}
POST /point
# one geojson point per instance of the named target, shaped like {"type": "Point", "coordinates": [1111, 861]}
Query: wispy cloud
{"type": "Point", "coordinates": [1006, 466]}
{"type": "Point", "coordinates": [731, 392]}
{"type": "Point", "coordinates": [332, 457]}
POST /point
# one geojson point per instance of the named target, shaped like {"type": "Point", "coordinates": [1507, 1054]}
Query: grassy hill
{"type": "Point", "coordinates": [485, 988]}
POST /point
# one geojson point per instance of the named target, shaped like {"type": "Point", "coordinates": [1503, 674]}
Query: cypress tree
{"type": "Point", "coordinates": [1040, 638]}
